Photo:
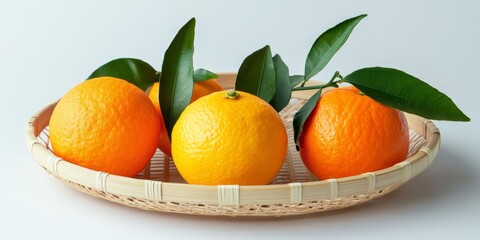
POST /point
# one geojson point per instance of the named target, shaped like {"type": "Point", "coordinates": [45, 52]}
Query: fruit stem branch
{"type": "Point", "coordinates": [341, 77]}
{"type": "Point", "coordinates": [331, 83]}
{"type": "Point", "coordinates": [303, 83]}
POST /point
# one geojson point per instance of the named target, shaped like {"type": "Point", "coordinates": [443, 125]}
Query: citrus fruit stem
{"type": "Point", "coordinates": [231, 94]}
{"type": "Point", "coordinates": [331, 83]}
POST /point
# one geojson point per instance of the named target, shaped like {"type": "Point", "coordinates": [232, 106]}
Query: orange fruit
{"type": "Point", "coordinates": [105, 124]}
{"type": "Point", "coordinates": [348, 133]}
{"type": "Point", "coordinates": [200, 89]}
{"type": "Point", "coordinates": [229, 137]}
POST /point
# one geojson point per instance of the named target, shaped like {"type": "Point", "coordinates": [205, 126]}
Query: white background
{"type": "Point", "coordinates": [47, 47]}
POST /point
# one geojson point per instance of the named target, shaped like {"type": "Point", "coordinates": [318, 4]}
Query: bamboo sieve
{"type": "Point", "coordinates": [294, 190]}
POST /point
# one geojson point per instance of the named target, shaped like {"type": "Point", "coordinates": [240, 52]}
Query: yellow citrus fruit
{"type": "Point", "coordinates": [105, 124]}
{"type": "Point", "coordinates": [229, 138]}
{"type": "Point", "coordinates": [348, 133]}
{"type": "Point", "coordinates": [200, 89]}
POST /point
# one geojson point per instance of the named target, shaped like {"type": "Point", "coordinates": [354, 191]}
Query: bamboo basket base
{"type": "Point", "coordinates": [254, 210]}
{"type": "Point", "coordinates": [294, 191]}
{"type": "Point", "coordinates": [275, 210]}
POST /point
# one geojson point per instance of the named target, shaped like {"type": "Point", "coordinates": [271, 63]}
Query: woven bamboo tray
{"type": "Point", "coordinates": [294, 190]}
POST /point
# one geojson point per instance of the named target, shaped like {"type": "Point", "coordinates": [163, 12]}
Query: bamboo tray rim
{"type": "Point", "coordinates": [294, 193]}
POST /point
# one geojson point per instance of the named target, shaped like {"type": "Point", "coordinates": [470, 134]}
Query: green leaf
{"type": "Point", "coordinates": [201, 75]}
{"type": "Point", "coordinates": [135, 71]}
{"type": "Point", "coordinates": [302, 115]}
{"type": "Point", "coordinates": [283, 91]}
{"type": "Point", "coordinates": [295, 80]}
{"type": "Point", "coordinates": [257, 74]}
{"type": "Point", "coordinates": [402, 91]}
{"type": "Point", "coordinates": [177, 75]}
{"type": "Point", "coordinates": [328, 44]}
